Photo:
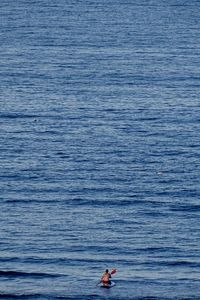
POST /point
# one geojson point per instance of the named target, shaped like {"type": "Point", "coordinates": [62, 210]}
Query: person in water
{"type": "Point", "coordinates": [105, 279]}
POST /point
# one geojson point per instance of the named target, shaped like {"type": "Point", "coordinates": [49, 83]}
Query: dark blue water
{"type": "Point", "coordinates": [99, 149]}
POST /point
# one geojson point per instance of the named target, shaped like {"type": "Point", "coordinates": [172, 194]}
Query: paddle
{"type": "Point", "coordinates": [114, 271]}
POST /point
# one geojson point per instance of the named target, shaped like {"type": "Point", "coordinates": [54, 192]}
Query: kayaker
{"type": "Point", "coordinates": [105, 279]}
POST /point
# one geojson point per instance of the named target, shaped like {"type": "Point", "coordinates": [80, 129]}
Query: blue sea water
{"type": "Point", "coordinates": [99, 149]}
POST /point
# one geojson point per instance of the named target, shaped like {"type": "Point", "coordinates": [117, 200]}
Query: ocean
{"type": "Point", "coordinates": [99, 149]}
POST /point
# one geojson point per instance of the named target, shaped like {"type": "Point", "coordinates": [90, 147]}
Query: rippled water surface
{"type": "Point", "coordinates": [99, 149]}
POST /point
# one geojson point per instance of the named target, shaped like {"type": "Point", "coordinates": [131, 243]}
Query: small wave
{"type": "Point", "coordinates": [184, 263]}
{"type": "Point", "coordinates": [175, 263]}
{"type": "Point", "coordinates": [24, 201]}
{"type": "Point", "coordinates": [187, 208]}
{"type": "Point", "coordinates": [18, 115]}
{"type": "Point", "coordinates": [26, 274]}
{"type": "Point", "coordinates": [87, 297]}
{"type": "Point", "coordinates": [77, 297]}
{"type": "Point", "coordinates": [21, 296]}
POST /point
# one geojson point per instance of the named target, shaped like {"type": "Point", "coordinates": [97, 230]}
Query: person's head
{"type": "Point", "coordinates": [107, 271]}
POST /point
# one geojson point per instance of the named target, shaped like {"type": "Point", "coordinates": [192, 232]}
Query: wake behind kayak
{"type": "Point", "coordinates": [107, 286]}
